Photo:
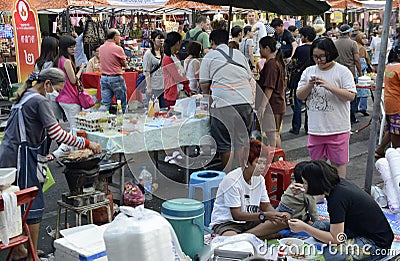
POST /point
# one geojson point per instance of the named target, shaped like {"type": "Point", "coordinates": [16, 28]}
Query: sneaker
{"type": "Point", "coordinates": [356, 121]}
{"type": "Point", "coordinates": [365, 113]}
{"type": "Point", "coordinates": [294, 132]}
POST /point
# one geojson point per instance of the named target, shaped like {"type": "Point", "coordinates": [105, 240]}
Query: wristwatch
{"type": "Point", "coordinates": [261, 216]}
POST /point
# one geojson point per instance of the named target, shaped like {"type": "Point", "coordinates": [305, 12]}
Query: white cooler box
{"type": "Point", "coordinates": [84, 243]}
{"type": "Point", "coordinates": [16, 228]}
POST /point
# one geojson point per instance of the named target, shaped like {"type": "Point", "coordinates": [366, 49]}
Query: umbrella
{"type": "Point", "coordinates": [284, 7]}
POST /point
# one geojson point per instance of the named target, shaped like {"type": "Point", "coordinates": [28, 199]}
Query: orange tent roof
{"type": "Point", "coordinates": [51, 4]}
{"type": "Point", "coordinates": [190, 5]}
{"type": "Point", "coordinates": [341, 4]}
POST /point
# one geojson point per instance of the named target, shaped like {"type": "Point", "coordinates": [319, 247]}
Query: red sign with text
{"type": "Point", "coordinates": [27, 39]}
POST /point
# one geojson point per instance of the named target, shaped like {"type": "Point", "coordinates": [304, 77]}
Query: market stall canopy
{"type": "Point", "coordinates": [284, 7]}
{"type": "Point", "coordinates": [138, 3]}
{"type": "Point", "coordinates": [345, 4]}
{"type": "Point", "coordinates": [377, 4]}
{"type": "Point", "coordinates": [51, 4]}
{"type": "Point", "coordinates": [181, 4]}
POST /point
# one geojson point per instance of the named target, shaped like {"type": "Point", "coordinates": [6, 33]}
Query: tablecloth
{"type": "Point", "coordinates": [92, 80]}
{"type": "Point", "coordinates": [156, 135]}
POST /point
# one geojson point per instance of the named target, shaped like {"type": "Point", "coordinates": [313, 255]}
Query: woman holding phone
{"type": "Point", "coordinates": [328, 88]}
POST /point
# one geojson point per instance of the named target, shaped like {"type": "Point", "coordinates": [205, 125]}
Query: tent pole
{"type": "Point", "coordinates": [67, 22]}
{"type": "Point", "coordinates": [378, 93]}
{"type": "Point", "coordinates": [229, 18]}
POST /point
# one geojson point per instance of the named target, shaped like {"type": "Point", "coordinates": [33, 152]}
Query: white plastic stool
{"type": "Point", "coordinates": [207, 180]}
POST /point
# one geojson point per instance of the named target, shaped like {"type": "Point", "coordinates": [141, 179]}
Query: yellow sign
{"type": "Point", "coordinates": [337, 17]}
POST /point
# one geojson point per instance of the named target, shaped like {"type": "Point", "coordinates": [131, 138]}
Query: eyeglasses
{"type": "Point", "coordinates": [319, 57]}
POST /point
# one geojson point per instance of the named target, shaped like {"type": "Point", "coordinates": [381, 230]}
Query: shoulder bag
{"type": "Point", "coordinates": [85, 99]}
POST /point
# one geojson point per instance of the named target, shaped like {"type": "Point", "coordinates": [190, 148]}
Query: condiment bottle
{"type": "Point", "coordinates": [151, 108]}
{"type": "Point", "coordinates": [156, 106]}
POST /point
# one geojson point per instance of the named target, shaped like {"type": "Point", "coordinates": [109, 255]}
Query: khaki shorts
{"type": "Point", "coordinates": [233, 226]}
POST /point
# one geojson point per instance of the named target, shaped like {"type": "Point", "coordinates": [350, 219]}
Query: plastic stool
{"type": "Point", "coordinates": [276, 152]}
{"type": "Point", "coordinates": [207, 180]}
{"type": "Point", "coordinates": [281, 171]}
{"type": "Point", "coordinates": [272, 153]}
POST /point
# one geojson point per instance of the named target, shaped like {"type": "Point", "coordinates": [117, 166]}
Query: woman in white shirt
{"type": "Point", "coordinates": [152, 67]}
{"type": "Point", "coordinates": [246, 46]}
{"type": "Point", "coordinates": [192, 65]}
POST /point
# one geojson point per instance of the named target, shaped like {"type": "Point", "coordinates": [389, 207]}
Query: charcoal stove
{"type": "Point", "coordinates": [88, 190]}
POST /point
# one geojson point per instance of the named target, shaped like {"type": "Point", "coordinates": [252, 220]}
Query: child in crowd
{"type": "Point", "coordinates": [295, 202]}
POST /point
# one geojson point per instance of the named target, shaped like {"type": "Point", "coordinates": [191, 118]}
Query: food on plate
{"type": "Point", "coordinates": [79, 154]}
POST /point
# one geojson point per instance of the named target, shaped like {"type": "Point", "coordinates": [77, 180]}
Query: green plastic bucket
{"type": "Point", "coordinates": [187, 218]}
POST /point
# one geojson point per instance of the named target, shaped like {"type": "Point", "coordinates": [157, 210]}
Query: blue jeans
{"type": "Point", "coordinates": [353, 242]}
{"type": "Point", "coordinates": [353, 110]}
{"type": "Point", "coordinates": [110, 86]}
{"type": "Point", "coordinates": [296, 120]}
{"type": "Point", "coordinates": [362, 101]}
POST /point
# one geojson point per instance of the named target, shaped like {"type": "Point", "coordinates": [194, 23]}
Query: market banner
{"type": "Point", "coordinates": [26, 36]}
{"type": "Point", "coordinates": [144, 3]}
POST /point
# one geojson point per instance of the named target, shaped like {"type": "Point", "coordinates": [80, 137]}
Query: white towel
{"type": "Point", "coordinates": [8, 216]}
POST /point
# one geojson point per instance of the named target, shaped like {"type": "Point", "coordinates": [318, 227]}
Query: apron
{"type": "Point", "coordinates": [30, 163]}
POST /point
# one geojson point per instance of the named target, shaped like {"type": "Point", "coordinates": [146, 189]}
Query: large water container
{"type": "Point", "coordinates": [187, 218]}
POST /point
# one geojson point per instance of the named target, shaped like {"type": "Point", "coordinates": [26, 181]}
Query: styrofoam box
{"type": "Point", "coordinates": [16, 228]}
{"type": "Point", "coordinates": [83, 244]}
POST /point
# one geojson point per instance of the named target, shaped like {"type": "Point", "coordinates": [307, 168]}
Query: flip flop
{"type": "Point", "coordinates": [41, 253]}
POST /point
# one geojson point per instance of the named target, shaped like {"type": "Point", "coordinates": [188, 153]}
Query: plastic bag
{"type": "Point", "coordinates": [133, 196]}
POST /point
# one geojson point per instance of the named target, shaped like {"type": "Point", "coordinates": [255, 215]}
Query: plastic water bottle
{"type": "Point", "coordinates": [147, 179]}
{"type": "Point", "coordinates": [191, 109]}
{"type": "Point", "coordinates": [156, 107]}
{"type": "Point", "coordinates": [103, 107]}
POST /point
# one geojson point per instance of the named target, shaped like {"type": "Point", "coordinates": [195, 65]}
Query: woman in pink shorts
{"type": "Point", "coordinates": [328, 88]}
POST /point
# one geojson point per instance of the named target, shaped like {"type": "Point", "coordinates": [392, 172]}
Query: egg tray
{"type": "Point", "coordinates": [91, 122]}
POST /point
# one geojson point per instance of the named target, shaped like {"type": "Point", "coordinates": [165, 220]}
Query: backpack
{"type": "Point", "coordinates": [183, 51]}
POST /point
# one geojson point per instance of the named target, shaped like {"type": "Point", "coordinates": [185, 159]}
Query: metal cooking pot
{"type": "Point", "coordinates": [86, 163]}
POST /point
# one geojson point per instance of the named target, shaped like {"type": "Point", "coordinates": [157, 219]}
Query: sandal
{"type": "Point", "coordinates": [41, 253]}
{"type": "Point", "coordinates": [379, 155]}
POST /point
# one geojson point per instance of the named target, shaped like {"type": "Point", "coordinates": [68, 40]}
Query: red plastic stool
{"type": "Point", "coordinates": [272, 153]}
{"type": "Point", "coordinates": [276, 152]}
{"type": "Point", "coordinates": [281, 171]}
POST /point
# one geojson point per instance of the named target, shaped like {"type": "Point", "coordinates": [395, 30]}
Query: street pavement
{"type": "Point", "coordinates": [295, 147]}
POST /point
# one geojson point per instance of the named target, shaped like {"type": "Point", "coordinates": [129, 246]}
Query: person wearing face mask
{"type": "Point", "coordinates": [25, 141]}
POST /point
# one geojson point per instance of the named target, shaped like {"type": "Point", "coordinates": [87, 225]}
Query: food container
{"type": "Point", "coordinates": [364, 81]}
{"type": "Point", "coordinates": [7, 177]}
{"type": "Point", "coordinates": [292, 245]}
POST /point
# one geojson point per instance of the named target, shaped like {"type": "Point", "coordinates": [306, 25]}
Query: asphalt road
{"type": "Point", "coordinates": [295, 147]}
